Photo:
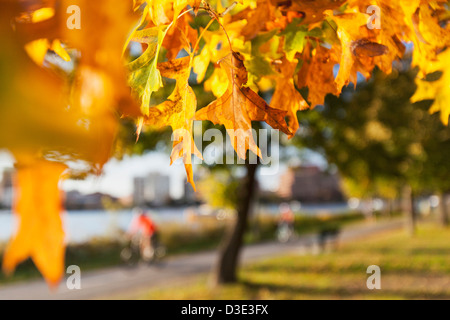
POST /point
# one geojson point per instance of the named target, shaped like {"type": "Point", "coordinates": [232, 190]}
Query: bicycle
{"type": "Point", "coordinates": [135, 252]}
{"type": "Point", "coordinates": [285, 232]}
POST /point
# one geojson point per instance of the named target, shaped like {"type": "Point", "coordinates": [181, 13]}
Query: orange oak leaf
{"type": "Point", "coordinates": [286, 96]}
{"type": "Point", "coordinates": [239, 106]}
{"type": "Point", "coordinates": [311, 10]}
{"type": "Point", "coordinates": [38, 206]}
{"type": "Point", "coordinates": [180, 36]}
{"type": "Point", "coordinates": [317, 74]}
{"type": "Point", "coordinates": [256, 18]}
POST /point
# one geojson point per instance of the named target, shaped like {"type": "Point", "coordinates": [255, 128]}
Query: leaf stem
{"type": "Point", "coordinates": [179, 16]}
{"type": "Point", "coordinates": [201, 36]}
{"type": "Point", "coordinates": [215, 16]}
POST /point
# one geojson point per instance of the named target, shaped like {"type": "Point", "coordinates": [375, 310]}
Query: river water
{"type": "Point", "coordinates": [84, 225]}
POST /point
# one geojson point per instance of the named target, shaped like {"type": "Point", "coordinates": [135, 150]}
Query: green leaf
{"type": "Point", "coordinates": [259, 63]}
{"type": "Point", "coordinates": [295, 37]}
{"type": "Point", "coordinates": [261, 39]}
{"type": "Point", "coordinates": [259, 67]}
{"type": "Point", "coordinates": [144, 77]}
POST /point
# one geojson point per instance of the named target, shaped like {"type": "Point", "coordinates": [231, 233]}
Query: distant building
{"type": "Point", "coordinates": [6, 189]}
{"type": "Point", "coordinates": [75, 200]}
{"type": "Point", "coordinates": [190, 196]}
{"type": "Point", "coordinates": [139, 196]}
{"type": "Point", "coordinates": [154, 189]}
{"type": "Point", "coordinates": [310, 184]}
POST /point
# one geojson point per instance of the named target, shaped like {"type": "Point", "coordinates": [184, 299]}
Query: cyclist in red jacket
{"type": "Point", "coordinates": [144, 227]}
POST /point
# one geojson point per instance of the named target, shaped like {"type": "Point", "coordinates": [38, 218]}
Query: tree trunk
{"type": "Point", "coordinates": [390, 208]}
{"type": "Point", "coordinates": [226, 270]}
{"type": "Point", "coordinates": [443, 210]}
{"type": "Point", "coordinates": [409, 210]}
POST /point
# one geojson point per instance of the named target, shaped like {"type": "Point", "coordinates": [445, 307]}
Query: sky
{"type": "Point", "coordinates": [117, 178]}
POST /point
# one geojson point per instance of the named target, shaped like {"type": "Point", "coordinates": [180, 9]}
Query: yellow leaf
{"type": "Point", "coordinates": [59, 50]}
{"type": "Point", "coordinates": [163, 12]}
{"type": "Point", "coordinates": [216, 46]}
{"type": "Point", "coordinates": [439, 90]}
{"type": "Point", "coordinates": [42, 14]}
{"type": "Point", "coordinates": [38, 206]}
{"type": "Point", "coordinates": [348, 31]}
{"type": "Point", "coordinates": [217, 83]}
{"type": "Point", "coordinates": [37, 50]}
{"type": "Point", "coordinates": [178, 112]}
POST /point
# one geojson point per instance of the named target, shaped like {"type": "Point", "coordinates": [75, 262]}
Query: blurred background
{"type": "Point", "coordinates": [365, 182]}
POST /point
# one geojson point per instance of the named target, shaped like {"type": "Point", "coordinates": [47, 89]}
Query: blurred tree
{"type": "Point", "coordinates": [382, 144]}
{"type": "Point", "coordinates": [230, 186]}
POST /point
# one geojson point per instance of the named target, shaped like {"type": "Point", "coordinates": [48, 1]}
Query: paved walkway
{"type": "Point", "coordinates": [122, 281]}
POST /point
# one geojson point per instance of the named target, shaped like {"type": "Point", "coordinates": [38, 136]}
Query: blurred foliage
{"type": "Point", "coordinates": [224, 192]}
{"type": "Point", "coordinates": [378, 139]}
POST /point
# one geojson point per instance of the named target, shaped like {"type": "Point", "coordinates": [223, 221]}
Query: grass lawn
{"type": "Point", "coordinates": [411, 268]}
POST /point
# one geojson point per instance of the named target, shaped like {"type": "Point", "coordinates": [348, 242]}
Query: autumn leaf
{"type": "Point", "coordinates": [38, 49]}
{"type": "Point", "coordinates": [164, 11]}
{"type": "Point", "coordinates": [349, 31]}
{"type": "Point", "coordinates": [317, 73]}
{"type": "Point", "coordinates": [178, 112]}
{"type": "Point", "coordinates": [99, 93]}
{"type": "Point", "coordinates": [365, 47]}
{"type": "Point", "coordinates": [238, 106]}
{"type": "Point", "coordinates": [144, 77]}
{"type": "Point", "coordinates": [438, 90]}
{"type": "Point", "coordinates": [256, 18]}
{"type": "Point", "coordinates": [312, 10]}
{"type": "Point", "coordinates": [180, 36]}
{"type": "Point", "coordinates": [259, 54]}
{"type": "Point", "coordinates": [286, 97]}
{"type": "Point", "coordinates": [413, 21]}
{"type": "Point", "coordinates": [215, 47]}
{"type": "Point", "coordinates": [295, 37]}
{"type": "Point", "coordinates": [430, 36]}
{"type": "Point", "coordinates": [28, 95]}
{"type": "Point", "coordinates": [73, 122]}
{"type": "Point", "coordinates": [38, 206]}
{"type": "Point", "coordinates": [93, 99]}
{"type": "Point", "coordinates": [100, 41]}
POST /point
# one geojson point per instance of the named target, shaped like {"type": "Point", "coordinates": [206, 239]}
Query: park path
{"type": "Point", "coordinates": [120, 282]}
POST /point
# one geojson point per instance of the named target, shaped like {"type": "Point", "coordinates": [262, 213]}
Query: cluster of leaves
{"type": "Point", "coordinates": [388, 144]}
{"type": "Point", "coordinates": [258, 45]}
{"type": "Point", "coordinates": [49, 118]}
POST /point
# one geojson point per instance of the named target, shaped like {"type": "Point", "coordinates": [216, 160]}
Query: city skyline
{"type": "Point", "coordinates": [118, 175]}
